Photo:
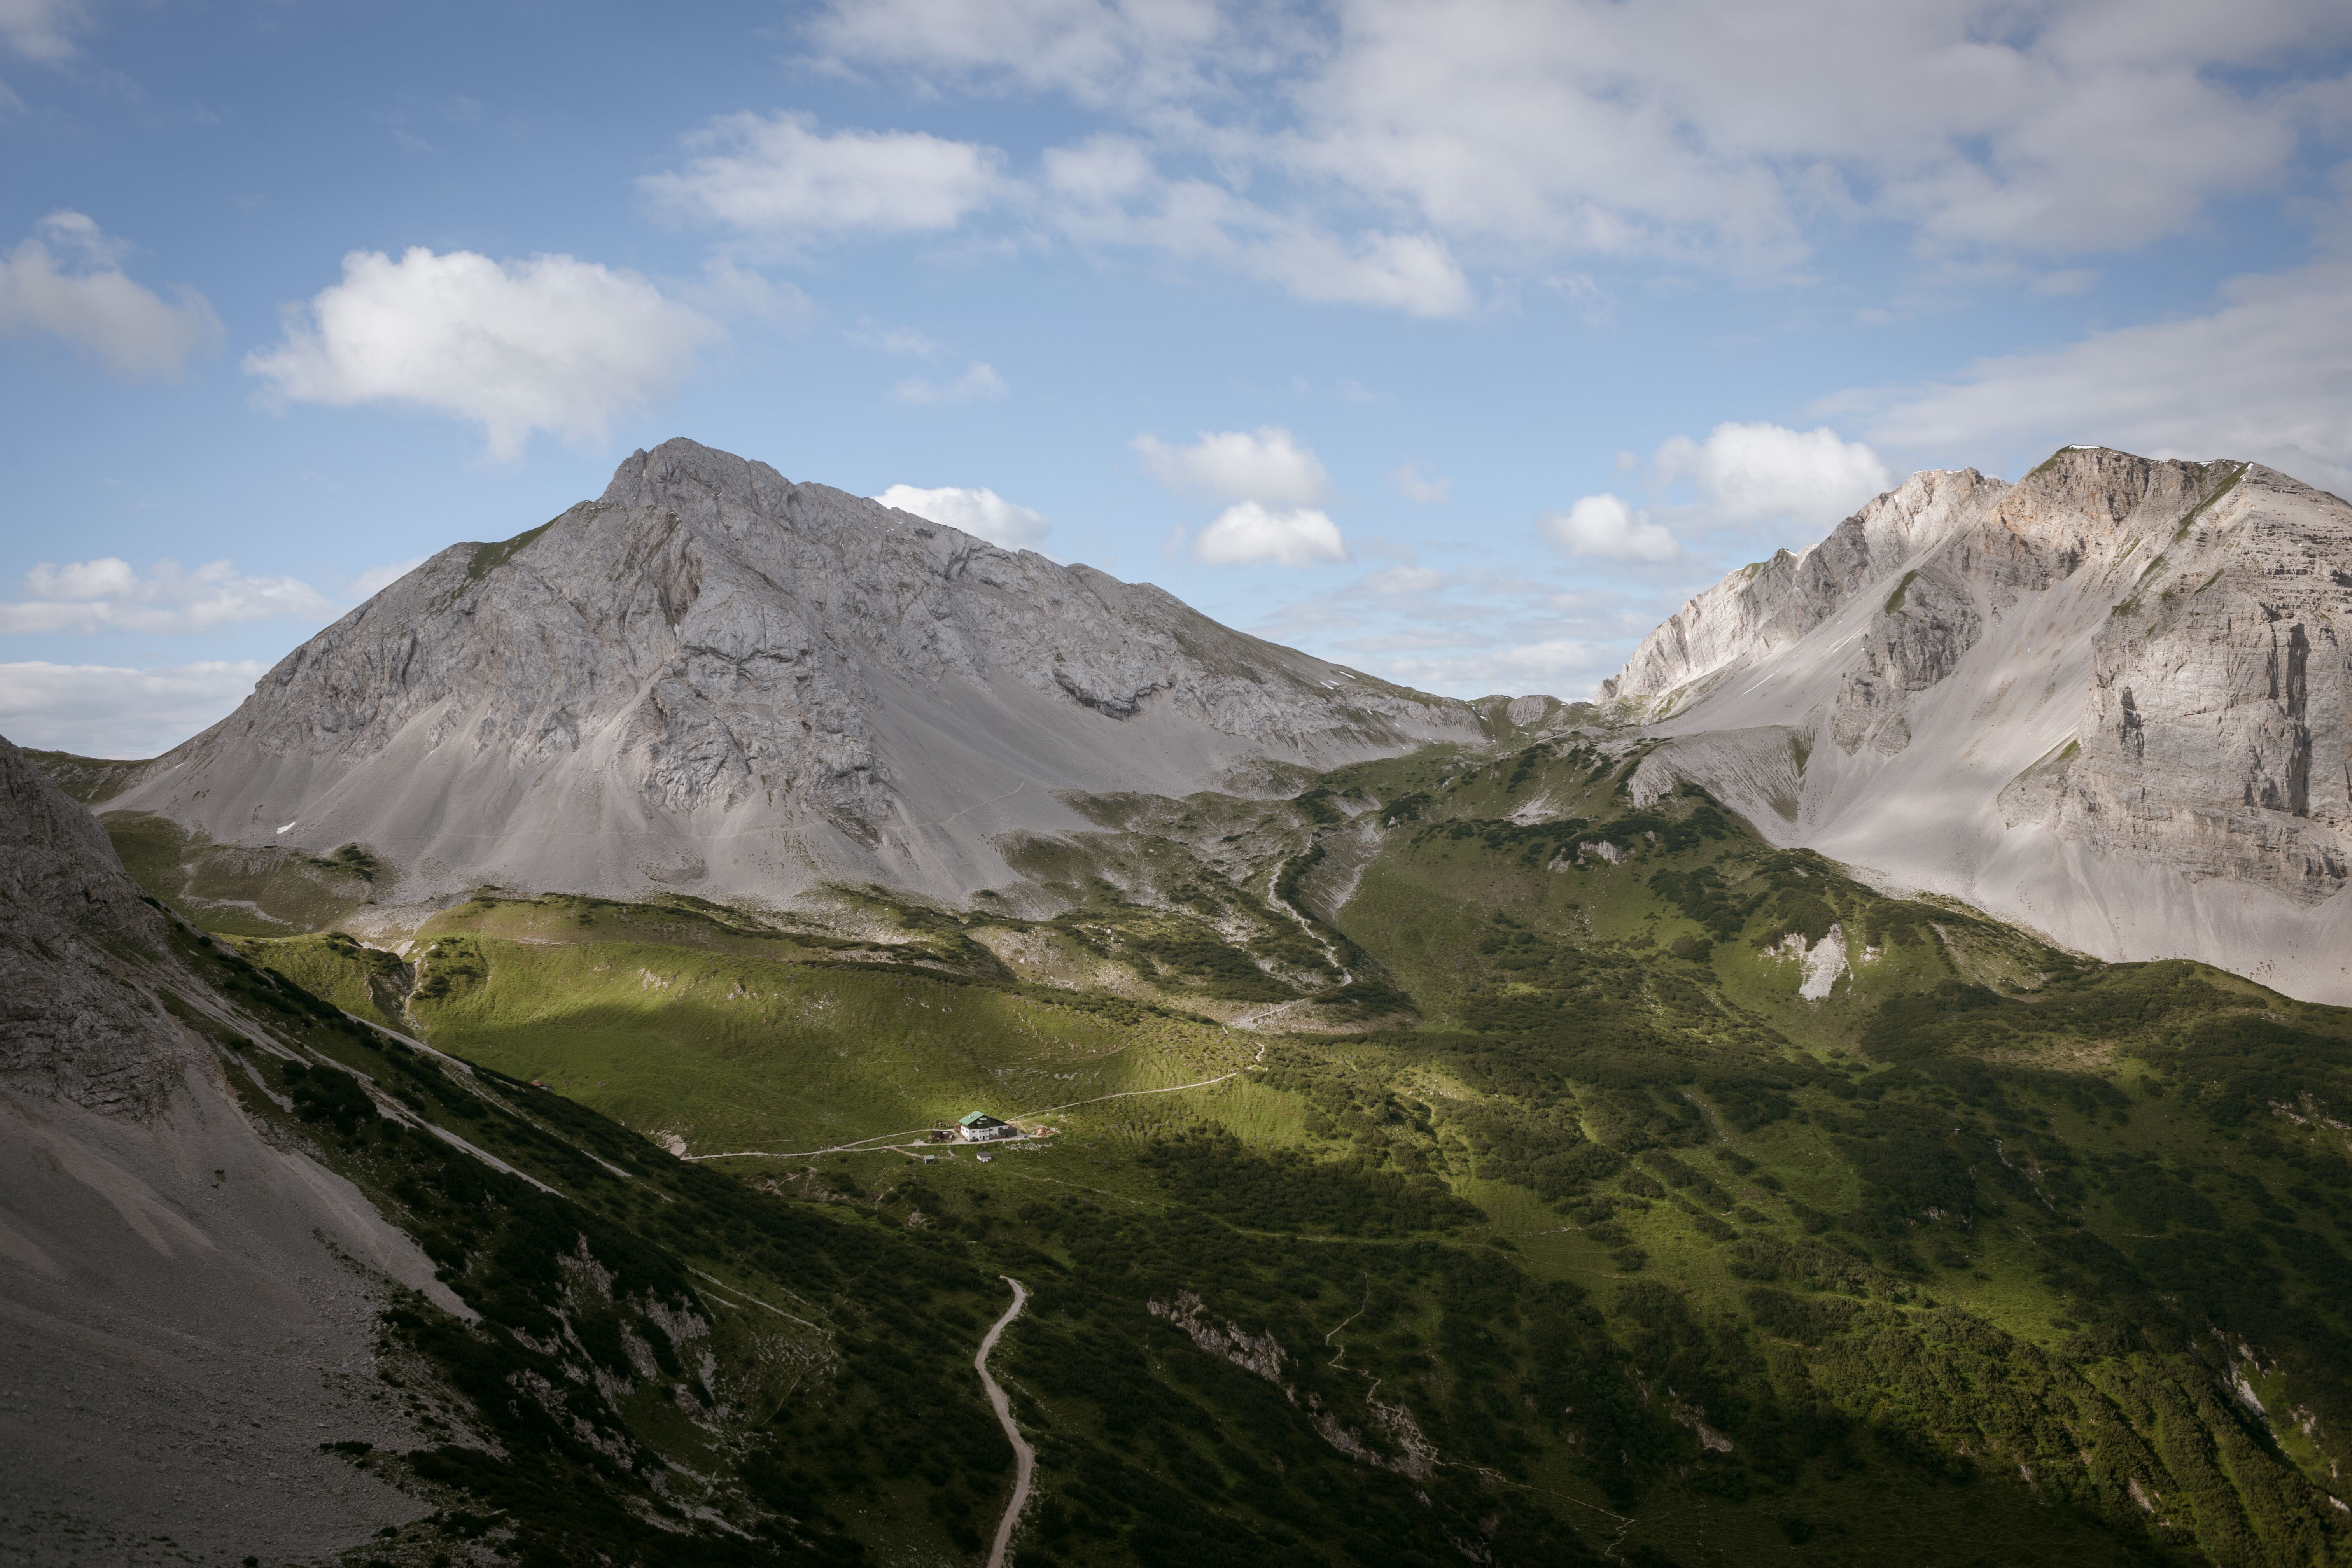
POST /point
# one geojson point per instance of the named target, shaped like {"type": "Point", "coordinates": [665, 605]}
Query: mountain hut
{"type": "Point", "coordinates": [982, 1128]}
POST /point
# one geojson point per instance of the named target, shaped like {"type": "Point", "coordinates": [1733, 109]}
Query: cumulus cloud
{"type": "Point", "coordinates": [978, 384]}
{"type": "Point", "coordinates": [67, 282]}
{"type": "Point", "coordinates": [109, 595]}
{"type": "Point", "coordinates": [2267, 375]}
{"type": "Point", "coordinates": [1749, 473]}
{"type": "Point", "coordinates": [976, 511]}
{"type": "Point", "coordinates": [1249, 533]}
{"type": "Point", "coordinates": [1264, 465]}
{"type": "Point", "coordinates": [778, 177]}
{"type": "Point", "coordinates": [550, 343]}
{"type": "Point", "coordinates": [96, 710]}
{"type": "Point", "coordinates": [1603, 526]}
{"type": "Point", "coordinates": [1409, 484]}
{"type": "Point", "coordinates": [42, 29]}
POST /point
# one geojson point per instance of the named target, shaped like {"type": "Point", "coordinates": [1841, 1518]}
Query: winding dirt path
{"type": "Point", "coordinates": [1024, 1457]}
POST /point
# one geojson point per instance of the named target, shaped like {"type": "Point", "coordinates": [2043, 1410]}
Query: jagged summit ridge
{"type": "Point", "coordinates": [714, 677]}
{"type": "Point", "coordinates": [2112, 700]}
{"type": "Point", "coordinates": [1762, 608]}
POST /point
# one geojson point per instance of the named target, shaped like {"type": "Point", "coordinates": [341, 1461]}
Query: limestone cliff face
{"type": "Point", "coordinates": [1761, 609]}
{"type": "Point", "coordinates": [713, 677]}
{"type": "Point", "coordinates": [2215, 731]}
{"type": "Point", "coordinates": [2110, 700]}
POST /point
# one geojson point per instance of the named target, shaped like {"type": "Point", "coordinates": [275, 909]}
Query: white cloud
{"type": "Point", "coordinates": [1605, 527]}
{"type": "Point", "coordinates": [1266, 465]}
{"type": "Point", "coordinates": [2267, 375]}
{"type": "Point", "coordinates": [42, 29]}
{"type": "Point", "coordinates": [1250, 534]}
{"type": "Point", "coordinates": [1409, 484]}
{"type": "Point", "coordinates": [1563, 667]}
{"type": "Point", "coordinates": [778, 177]}
{"type": "Point", "coordinates": [1518, 132]}
{"type": "Point", "coordinates": [978, 511]}
{"type": "Point", "coordinates": [980, 383]}
{"type": "Point", "coordinates": [1413, 272]}
{"type": "Point", "coordinates": [376, 579]}
{"type": "Point", "coordinates": [1752, 473]}
{"type": "Point", "coordinates": [67, 282]}
{"type": "Point", "coordinates": [1107, 193]}
{"type": "Point", "coordinates": [94, 711]}
{"type": "Point", "coordinates": [109, 594]}
{"type": "Point", "coordinates": [551, 344]}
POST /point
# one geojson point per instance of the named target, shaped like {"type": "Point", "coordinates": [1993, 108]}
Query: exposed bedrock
{"type": "Point", "coordinates": [2110, 701]}
{"type": "Point", "coordinates": [712, 666]}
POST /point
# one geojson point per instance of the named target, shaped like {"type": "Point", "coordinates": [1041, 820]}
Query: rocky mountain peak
{"type": "Point", "coordinates": [2112, 700]}
{"type": "Point", "coordinates": [700, 484]}
{"type": "Point", "coordinates": [715, 676]}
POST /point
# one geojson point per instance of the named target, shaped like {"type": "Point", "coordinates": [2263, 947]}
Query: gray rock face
{"type": "Point", "coordinates": [712, 677]}
{"type": "Point", "coordinates": [2112, 700]}
{"type": "Point", "coordinates": [1759, 610]}
{"type": "Point", "coordinates": [73, 1025]}
{"type": "Point", "coordinates": [175, 1292]}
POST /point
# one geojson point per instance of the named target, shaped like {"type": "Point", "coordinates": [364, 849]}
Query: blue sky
{"type": "Point", "coordinates": [1457, 341]}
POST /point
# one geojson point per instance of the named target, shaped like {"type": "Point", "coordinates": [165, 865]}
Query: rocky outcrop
{"type": "Point", "coordinates": [75, 1024]}
{"type": "Point", "coordinates": [711, 677]}
{"type": "Point", "coordinates": [2216, 734]}
{"type": "Point", "coordinates": [1762, 609]}
{"type": "Point", "coordinates": [2112, 700]}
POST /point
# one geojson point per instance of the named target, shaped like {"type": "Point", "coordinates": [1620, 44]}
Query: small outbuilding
{"type": "Point", "coordinates": [982, 1128]}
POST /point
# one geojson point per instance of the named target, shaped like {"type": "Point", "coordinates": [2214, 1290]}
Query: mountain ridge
{"type": "Point", "coordinates": [2109, 703]}
{"type": "Point", "coordinates": [715, 678]}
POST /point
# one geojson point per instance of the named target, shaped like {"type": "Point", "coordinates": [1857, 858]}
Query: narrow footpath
{"type": "Point", "coordinates": [1024, 1457]}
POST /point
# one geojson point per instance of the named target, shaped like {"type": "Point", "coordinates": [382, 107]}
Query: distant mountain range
{"type": "Point", "coordinates": [2108, 702]}
{"type": "Point", "coordinates": [1492, 1149]}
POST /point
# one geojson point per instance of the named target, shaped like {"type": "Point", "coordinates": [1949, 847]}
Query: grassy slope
{"type": "Point", "coordinates": [1988, 1256]}
{"type": "Point", "coordinates": [90, 780]}
{"type": "Point", "coordinates": [678, 1367]}
{"type": "Point", "coordinates": [236, 890]}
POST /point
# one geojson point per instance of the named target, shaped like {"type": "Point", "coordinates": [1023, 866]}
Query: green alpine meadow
{"type": "Point", "coordinates": [1401, 1181]}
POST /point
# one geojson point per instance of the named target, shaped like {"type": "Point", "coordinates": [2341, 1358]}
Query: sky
{"type": "Point", "coordinates": [1458, 342]}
